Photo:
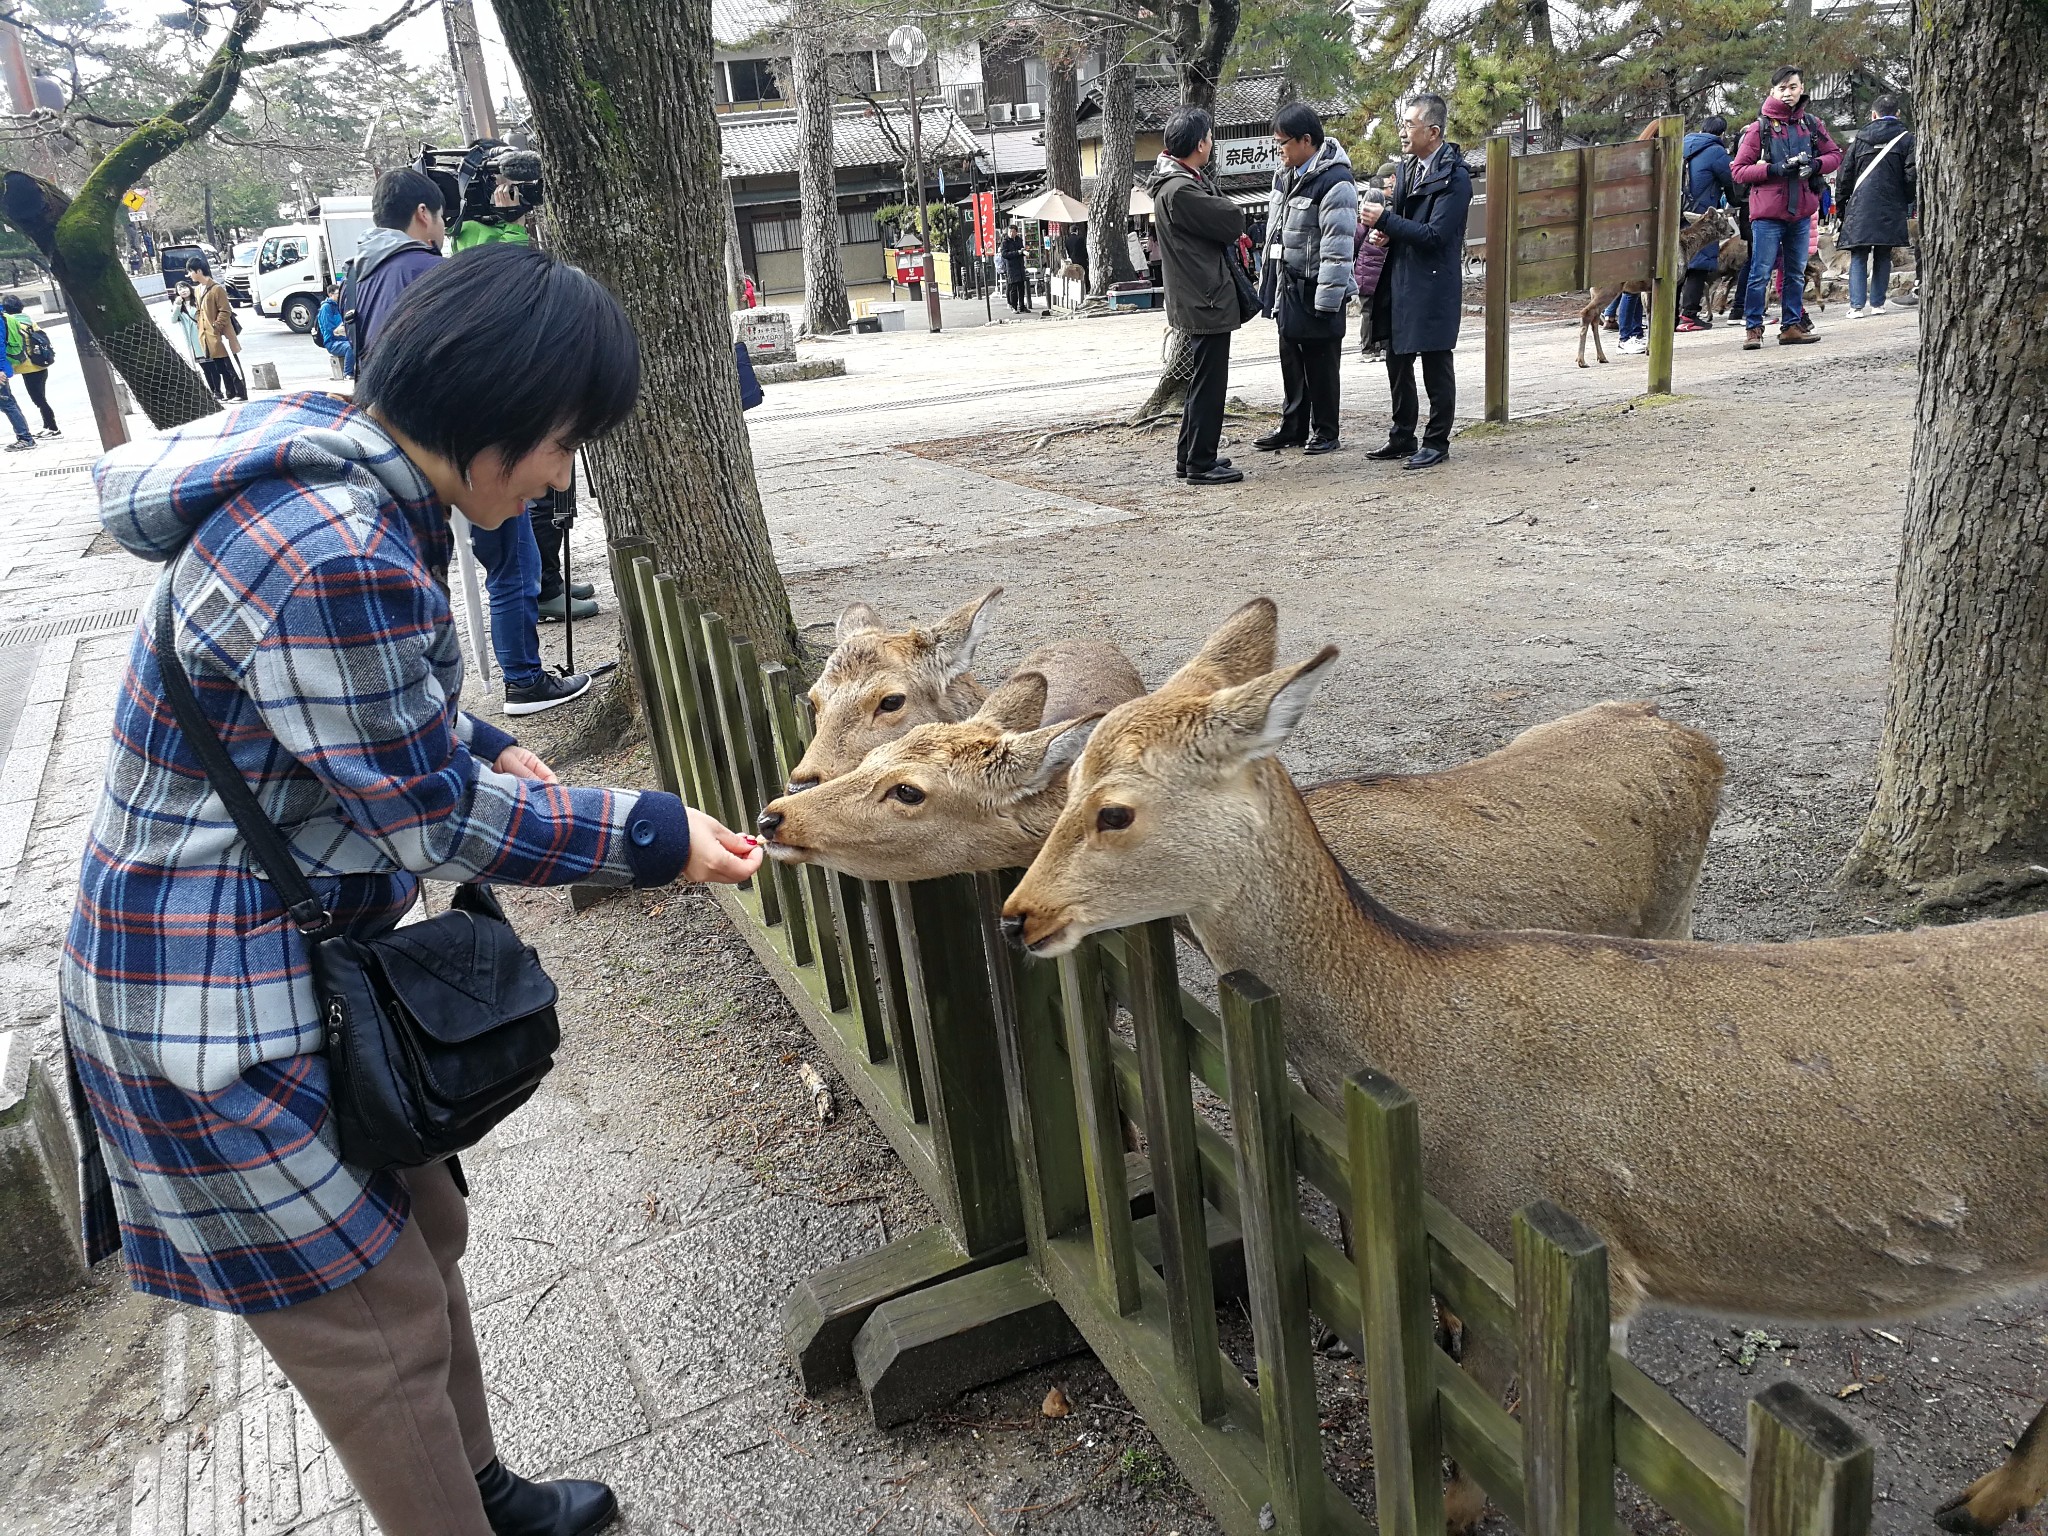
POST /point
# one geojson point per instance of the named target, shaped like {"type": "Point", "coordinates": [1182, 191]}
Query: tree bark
{"type": "Point", "coordinates": [1062, 132]}
{"type": "Point", "coordinates": [622, 105]}
{"type": "Point", "coordinates": [1201, 45]}
{"type": "Point", "coordinates": [825, 308]}
{"type": "Point", "coordinates": [1962, 771]}
{"type": "Point", "coordinates": [1109, 206]}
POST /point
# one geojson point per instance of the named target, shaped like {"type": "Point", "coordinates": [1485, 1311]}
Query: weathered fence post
{"type": "Point", "coordinates": [1665, 274]}
{"type": "Point", "coordinates": [626, 556]}
{"type": "Point", "coordinates": [742, 789]}
{"type": "Point", "coordinates": [1085, 1003]}
{"type": "Point", "coordinates": [1500, 269]}
{"type": "Point", "coordinates": [1567, 1389]}
{"type": "Point", "coordinates": [1392, 1252]}
{"type": "Point", "coordinates": [1254, 1053]}
{"type": "Point", "coordinates": [1810, 1470]}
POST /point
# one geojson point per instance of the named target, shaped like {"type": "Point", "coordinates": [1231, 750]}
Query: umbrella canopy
{"type": "Point", "coordinates": [1053, 207]}
{"type": "Point", "coordinates": [1141, 203]}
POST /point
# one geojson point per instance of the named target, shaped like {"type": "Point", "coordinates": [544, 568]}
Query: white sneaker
{"type": "Point", "coordinates": [1874, 309]}
{"type": "Point", "coordinates": [1857, 314]}
{"type": "Point", "coordinates": [1635, 344]}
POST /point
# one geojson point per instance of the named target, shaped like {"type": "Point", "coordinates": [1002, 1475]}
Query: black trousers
{"type": "Point", "coordinates": [1201, 418]}
{"type": "Point", "coordinates": [1440, 378]}
{"type": "Point", "coordinates": [38, 386]}
{"type": "Point", "coordinates": [1014, 294]}
{"type": "Point", "coordinates": [1693, 291]}
{"type": "Point", "coordinates": [1308, 373]}
{"type": "Point", "coordinates": [225, 378]}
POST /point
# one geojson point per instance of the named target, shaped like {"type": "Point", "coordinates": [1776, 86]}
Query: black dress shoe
{"type": "Point", "coordinates": [1275, 440]}
{"type": "Point", "coordinates": [1322, 445]}
{"type": "Point", "coordinates": [1180, 471]}
{"type": "Point", "coordinates": [1393, 450]}
{"type": "Point", "coordinates": [1218, 473]}
{"type": "Point", "coordinates": [1429, 458]}
{"type": "Point", "coordinates": [516, 1507]}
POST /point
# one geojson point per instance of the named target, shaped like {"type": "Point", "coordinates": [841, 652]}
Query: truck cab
{"type": "Point", "coordinates": [295, 262]}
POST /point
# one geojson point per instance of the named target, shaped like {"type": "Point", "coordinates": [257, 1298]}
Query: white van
{"type": "Point", "coordinates": [294, 262]}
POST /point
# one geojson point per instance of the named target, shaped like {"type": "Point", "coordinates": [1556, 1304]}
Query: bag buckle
{"type": "Point", "coordinates": [311, 917]}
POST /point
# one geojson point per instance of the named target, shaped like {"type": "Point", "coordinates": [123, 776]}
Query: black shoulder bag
{"type": "Point", "coordinates": [435, 1031]}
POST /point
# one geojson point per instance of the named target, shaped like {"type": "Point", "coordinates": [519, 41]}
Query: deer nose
{"type": "Point", "coordinates": [1013, 930]}
{"type": "Point", "coordinates": [768, 822]}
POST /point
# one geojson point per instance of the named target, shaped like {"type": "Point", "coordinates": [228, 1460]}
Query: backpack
{"type": "Point", "coordinates": [40, 350]}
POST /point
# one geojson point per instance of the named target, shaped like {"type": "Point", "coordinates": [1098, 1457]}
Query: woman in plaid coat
{"type": "Point", "coordinates": [305, 542]}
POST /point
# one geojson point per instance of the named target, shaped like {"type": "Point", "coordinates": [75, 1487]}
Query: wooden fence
{"type": "Point", "coordinates": [1005, 1085]}
{"type": "Point", "coordinates": [1576, 219]}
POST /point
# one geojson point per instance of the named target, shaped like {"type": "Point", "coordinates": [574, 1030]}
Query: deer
{"type": "Point", "coordinates": [1695, 230]}
{"type": "Point", "coordinates": [1837, 1129]}
{"type": "Point", "coordinates": [1596, 823]}
{"type": "Point", "coordinates": [880, 682]}
{"type": "Point", "coordinates": [1731, 272]}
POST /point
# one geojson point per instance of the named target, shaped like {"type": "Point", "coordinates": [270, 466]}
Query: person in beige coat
{"type": "Point", "coordinates": [217, 336]}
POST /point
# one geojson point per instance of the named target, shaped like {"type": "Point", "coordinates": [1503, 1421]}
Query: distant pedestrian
{"type": "Point", "coordinates": [750, 296]}
{"type": "Point", "coordinates": [1134, 248]}
{"type": "Point", "coordinates": [1421, 296]}
{"type": "Point", "coordinates": [1368, 256]}
{"type": "Point", "coordinates": [1012, 258]}
{"type": "Point", "coordinates": [218, 334]}
{"type": "Point", "coordinates": [1198, 233]}
{"type": "Point", "coordinates": [1312, 224]}
{"type": "Point", "coordinates": [11, 409]}
{"type": "Point", "coordinates": [185, 310]}
{"type": "Point", "coordinates": [332, 334]}
{"type": "Point", "coordinates": [1782, 154]}
{"type": "Point", "coordinates": [30, 353]}
{"type": "Point", "coordinates": [1076, 242]}
{"type": "Point", "coordinates": [406, 207]}
{"type": "Point", "coordinates": [1880, 183]}
{"type": "Point", "coordinates": [1709, 183]}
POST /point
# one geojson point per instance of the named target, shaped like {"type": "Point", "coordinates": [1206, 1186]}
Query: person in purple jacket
{"type": "Point", "coordinates": [404, 247]}
{"type": "Point", "coordinates": [1781, 155]}
{"type": "Point", "coordinates": [1368, 257]}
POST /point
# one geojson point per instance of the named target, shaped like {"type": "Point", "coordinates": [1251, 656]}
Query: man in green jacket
{"type": "Point", "coordinates": [1198, 234]}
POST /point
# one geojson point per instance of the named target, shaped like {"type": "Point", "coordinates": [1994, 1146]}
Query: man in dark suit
{"type": "Point", "coordinates": [1421, 296]}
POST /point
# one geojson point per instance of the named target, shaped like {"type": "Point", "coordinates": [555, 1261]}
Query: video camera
{"type": "Point", "coordinates": [470, 177]}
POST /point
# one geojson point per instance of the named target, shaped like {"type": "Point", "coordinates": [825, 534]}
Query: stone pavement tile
{"type": "Point", "coordinates": [726, 1471]}
{"type": "Point", "coordinates": [565, 1200]}
{"type": "Point", "coordinates": [702, 1309]}
{"type": "Point", "coordinates": [559, 1381]}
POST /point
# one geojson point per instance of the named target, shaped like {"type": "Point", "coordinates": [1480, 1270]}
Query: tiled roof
{"type": "Point", "coordinates": [1014, 152]}
{"type": "Point", "coordinates": [1245, 100]}
{"type": "Point", "coordinates": [736, 23]}
{"type": "Point", "coordinates": [764, 143]}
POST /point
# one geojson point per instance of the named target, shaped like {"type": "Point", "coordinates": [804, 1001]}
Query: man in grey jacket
{"type": "Point", "coordinates": [1312, 224]}
{"type": "Point", "coordinates": [1198, 234]}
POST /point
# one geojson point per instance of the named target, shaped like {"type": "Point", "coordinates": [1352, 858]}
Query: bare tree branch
{"type": "Point", "coordinates": [375, 34]}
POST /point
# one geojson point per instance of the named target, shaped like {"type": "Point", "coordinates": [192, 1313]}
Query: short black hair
{"type": "Point", "coordinates": [1298, 120]}
{"type": "Point", "coordinates": [12, 303]}
{"type": "Point", "coordinates": [1786, 72]}
{"type": "Point", "coordinates": [198, 264]}
{"type": "Point", "coordinates": [500, 349]}
{"type": "Point", "coordinates": [1886, 106]}
{"type": "Point", "coordinates": [398, 195]}
{"type": "Point", "coordinates": [1185, 131]}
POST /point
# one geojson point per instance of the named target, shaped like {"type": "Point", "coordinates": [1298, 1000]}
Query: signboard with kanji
{"type": "Point", "coordinates": [1242, 157]}
{"type": "Point", "coordinates": [984, 223]}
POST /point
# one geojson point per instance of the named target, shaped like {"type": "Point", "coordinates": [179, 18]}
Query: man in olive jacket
{"type": "Point", "coordinates": [1198, 233]}
{"type": "Point", "coordinates": [1421, 296]}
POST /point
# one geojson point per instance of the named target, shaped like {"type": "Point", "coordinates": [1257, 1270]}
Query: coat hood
{"type": "Point", "coordinates": [156, 492]}
{"type": "Point", "coordinates": [1883, 131]}
{"type": "Point", "coordinates": [380, 245]}
{"type": "Point", "coordinates": [1164, 169]}
{"type": "Point", "coordinates": [1778, 111]}
{"type": "Point", "coordinates": [1698, 139]}
{"type": "Point", "coordinates": [1328, 153]}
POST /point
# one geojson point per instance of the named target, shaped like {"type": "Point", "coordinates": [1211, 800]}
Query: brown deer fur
{"type": "Point", "coordinates": [1596, 823]}
{"type": "Point", "coordinates": [1840, 1129]}
{"type": "Point", "coordinates": [1695, 230]}
{"type": "Point", "coordinates": [879, 683]}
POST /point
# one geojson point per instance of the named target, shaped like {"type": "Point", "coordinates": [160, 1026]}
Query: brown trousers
{"type": "Point", "coordinates": [388, 1365]}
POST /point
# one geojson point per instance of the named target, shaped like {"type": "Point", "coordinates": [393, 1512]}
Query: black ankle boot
{"type": "Point", "coordinates": [516, 1507]}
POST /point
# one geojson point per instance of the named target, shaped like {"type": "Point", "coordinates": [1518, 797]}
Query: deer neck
{"type": "Point", "coordinates": [1344, 965]}
{"type": "Point", "coordinates": [1028, 822]}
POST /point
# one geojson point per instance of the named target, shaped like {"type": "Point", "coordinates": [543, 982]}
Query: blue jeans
{"type": "Point", "coordinates": [511, 561]}
{"type": "Point", "coordinates": [1632, 316]}
{"type": "Point", "coordinates": [13, 409]}
{"type": "Point", "coordinates": [1777, 243]}
{"type": "Point", "coordinates": [1874, 284]}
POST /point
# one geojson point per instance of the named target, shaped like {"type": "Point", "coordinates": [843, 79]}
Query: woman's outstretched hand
{"type": "Point", "coordinates": [717, 855]}
{"type": "Point", "coordinates": [524, 764]}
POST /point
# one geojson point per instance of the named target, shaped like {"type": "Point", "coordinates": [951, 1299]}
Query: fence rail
{"type": "Point", "coordinates": [1006, 1087]}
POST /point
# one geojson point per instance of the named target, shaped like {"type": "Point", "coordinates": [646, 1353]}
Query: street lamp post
{"type": "Point", "coordinates": [907, 47]}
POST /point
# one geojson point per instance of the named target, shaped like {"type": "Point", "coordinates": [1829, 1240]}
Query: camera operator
{"type": "Point", "coordinates": [1784, 156]}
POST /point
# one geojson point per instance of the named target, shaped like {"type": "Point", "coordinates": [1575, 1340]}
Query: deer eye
{"type": "Point", "coordinates": [906, 794]}
{"type": "Point", "coordinates": [891, 702]}
{"type": "Point", "coordinates": [1113, 818]}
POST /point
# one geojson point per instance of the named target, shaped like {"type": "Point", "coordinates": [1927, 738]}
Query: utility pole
{"type": "Point", "coordinates": [21, 90]}
{"type": "Point", "coordinates": [907, 47]}
{"type": "Point", "coordinates": [472, 84]}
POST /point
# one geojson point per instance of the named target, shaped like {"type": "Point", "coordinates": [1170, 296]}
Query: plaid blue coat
{"type": "Point", "coordinates": [306, 567]}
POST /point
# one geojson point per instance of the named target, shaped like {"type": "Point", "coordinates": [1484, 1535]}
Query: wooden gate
{"type": "Point", "coordinates": [1005, 1085]}
{"type": "Point", "coordinates": [1578, 219]}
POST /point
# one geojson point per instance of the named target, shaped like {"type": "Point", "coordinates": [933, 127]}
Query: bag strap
{"type": "Point", "coordinates": [1878, 159]}
{"type": "Point", "coordinates": [265, 841]}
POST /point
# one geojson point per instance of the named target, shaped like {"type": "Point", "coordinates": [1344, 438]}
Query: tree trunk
{"type": "Point", "coordinates": [1062, 132]}
{"type": "Point", "coordinates": [1548, 100]}
{"type": "Point", "coordinates": [1962, 771]}
{"type": "Point", "coordinates": [1176, 372]}
{"type": "Point", "coordinates": [1109, 208]}
{"type": "Point", "coordinates": [623, 108]}
{"type": "Point", "coordinates": [1202, 46]}
{"type": "Point", "coordinates": [825, 307]}
{"type": "Point", "coordinates": [735, 265]}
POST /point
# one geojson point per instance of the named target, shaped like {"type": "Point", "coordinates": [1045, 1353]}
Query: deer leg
{"type": "Point", "coordinates": [1584, 326]}
{"type": "Point", "coordinates": [2011, 1491]}
{"type": "Point", "coordinates": [1599, 347]}
{"type": "Point", "coordinates": [1491, 1364]}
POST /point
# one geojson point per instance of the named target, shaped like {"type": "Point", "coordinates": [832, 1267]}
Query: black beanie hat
{"type": "Point", "coordinates": [1716, 125]}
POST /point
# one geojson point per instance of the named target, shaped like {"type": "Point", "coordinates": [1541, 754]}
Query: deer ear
{"type": "Point", "coordinates": [961, 631]}
{"type": "Point", "coordinates": [1260, 715]}
{"type": "Point", "coordinates": [1242, 648]}
{"type": "Point", "coordinates": [856, 618]}
{"type": "Point", "coordinates": [1019, 705]}
{"type": "Point", "coordinates": [1047, 753]}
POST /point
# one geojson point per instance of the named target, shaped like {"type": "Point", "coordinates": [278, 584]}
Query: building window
{"type": "Point", "coordinates": [753, 80]}
{"type": "Point", "coordinates": [854, 74]}
{"type": "Point", "coordinates": [858, 229]}
{"type": "Point", "coordinates": [778, 235]}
